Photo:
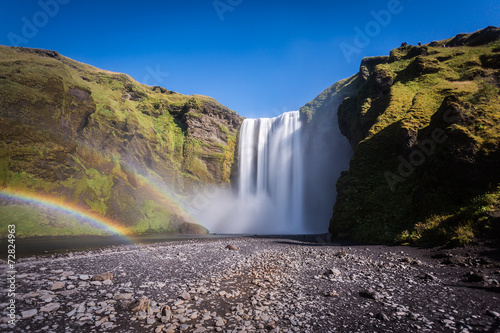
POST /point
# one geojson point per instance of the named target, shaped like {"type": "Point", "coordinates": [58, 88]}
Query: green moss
{"type": "Point", "coordinates": [92, 131]}
{"type": "Point", "coordinates": [31, 221]}
{"type": "Point", "coordinates": [155, 218]}
{"type": "Point", "coordinates": [385, 127]}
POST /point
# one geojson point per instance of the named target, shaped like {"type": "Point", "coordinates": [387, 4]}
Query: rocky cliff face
{"type": "Point", "coordinates": [424, 123]}
{"type": "Point", "coordinates": [105, 142]}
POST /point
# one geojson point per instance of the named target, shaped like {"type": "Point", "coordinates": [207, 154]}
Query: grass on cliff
{"type": "Point", "coordinates": [31, 221]}
{"type": "Point", "coordinates": [366, 208]}
{"type": "Point", "coordinates": [41, 149]}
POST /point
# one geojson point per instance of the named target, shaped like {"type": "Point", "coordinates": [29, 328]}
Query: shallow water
{"type": "Point", "coordinates": [56, 245]}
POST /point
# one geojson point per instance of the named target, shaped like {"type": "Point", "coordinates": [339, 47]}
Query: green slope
{"type": "Point", "coordinates": [105, 142]}
{"type": "Point", "coordinates": [424, 123]}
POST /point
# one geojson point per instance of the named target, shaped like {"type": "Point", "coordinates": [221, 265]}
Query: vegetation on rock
{"type": "Point", "coordinates": [106, 143]}
{"type": "Point", "coordinates": [424, 123]}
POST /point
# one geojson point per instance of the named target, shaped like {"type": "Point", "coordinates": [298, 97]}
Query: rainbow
{"type": "Point", "coordinates": [67, 208]}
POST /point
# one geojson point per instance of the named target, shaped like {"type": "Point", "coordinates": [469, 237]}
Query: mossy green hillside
{"type": "Point", "coordinates": [104, 141]}
{"type": "Point", "coordinates": [424, 123]}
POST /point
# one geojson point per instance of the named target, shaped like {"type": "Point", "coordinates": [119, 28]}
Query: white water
{"type": "Point", "coordinates": [286, 182]}
{"type": "Point", "coordinates": [271, 174]}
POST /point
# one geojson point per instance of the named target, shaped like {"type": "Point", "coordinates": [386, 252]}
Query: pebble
{"type": "Point", "coordinates": [259, 291]}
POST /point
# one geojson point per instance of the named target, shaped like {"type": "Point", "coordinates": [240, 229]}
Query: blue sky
{"type": "Point", "coordinates": [259, 58]}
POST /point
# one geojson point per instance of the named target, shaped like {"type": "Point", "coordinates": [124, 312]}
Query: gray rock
{"type": "Point", "coordinates": [493, 314]}
{"type": "Point", "coordinates": [58, 285]}
{"type": "Point", "coordinates": [331, 294]}
{"type": "Point", "coordinates": [219, 322]}
{"type": "Point", "coordinates": [185, 295]}
{"type": "Point", "coordinates": [370, 293]}
{"type": "Point", "coordinates": [50, 307]}
{"type": "Point", "coordinates": [29, 313]}
{"type": "Point", "coordinates": [103, 276]}
{"type": "Point", "coordinates": [382, 316]}
{"type": "Point", "coordinates": [142, 304]}
{"type": "Point", "coordinates": [332, 272]}
{"type": "Point", "coordinates": [122, 296]}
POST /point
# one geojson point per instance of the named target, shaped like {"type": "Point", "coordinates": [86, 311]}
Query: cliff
{"type": "Point", "coordinates": [424, 124]}
{"type": "Point", "coordinates": [105, 143]}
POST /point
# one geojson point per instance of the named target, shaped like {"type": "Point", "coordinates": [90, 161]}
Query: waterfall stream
{"type": "Point", "coordinates": [271, 171]}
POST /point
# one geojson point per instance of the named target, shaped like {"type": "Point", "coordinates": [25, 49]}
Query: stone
{"type": "Point", "coordinates": [122, 296]}
{"type": "Point", "coordinates": [141, 304]}
{"type": "Point", "coordinates": [493, 314]}
{"type": "Point", "coordinates": [232, 247]}
{"type": "Point", "coordinates": [271, 325]}
{"type": "Point", "coordinates": [331, 294]}
{"type": "Point", "coordinates": [476, 277]}
{"type": "Point", "coordinates": [103, 276]}
{"type": "Point", "coordinates": [29, 313]}
{"type": "Point", "coordinates": [332, 272]}
{"type": "Point", "coordinates": [58, 285]}
{"type": "Point", "coordinates": [427, 277]}
{"type": "Point", "coordinates": [50, 307]}
{"type": "Point", "coordinates": [370, 293]}
{"type": "Point", "coordinates": [185, 295]}
{"type": "Point", "coordinates": [382, 316]}
{"type": "Point", "coordinates": [83, 277]}
{"type": "Point", "coordinates": [219, 322]}
{"type": "Point", "coordinates": [81, 308]}
{"type": "Point", "coordinates": [101, 321]}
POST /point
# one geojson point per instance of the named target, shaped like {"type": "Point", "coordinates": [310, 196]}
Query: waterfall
{"type": "Point", "coordinates": [271, 174]}
{"type": "Point", "coordinates": [286, 178]}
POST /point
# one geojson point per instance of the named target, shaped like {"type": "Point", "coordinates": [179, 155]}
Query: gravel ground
{"type": "Point", "coordinates": [256, 284]}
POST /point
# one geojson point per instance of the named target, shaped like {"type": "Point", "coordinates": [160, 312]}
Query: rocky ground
{"type": "Point", "coordinates": [275, 284]}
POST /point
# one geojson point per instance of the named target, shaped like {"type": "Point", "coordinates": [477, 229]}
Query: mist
{"type": "Point", "coordinates": [286, 179]}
